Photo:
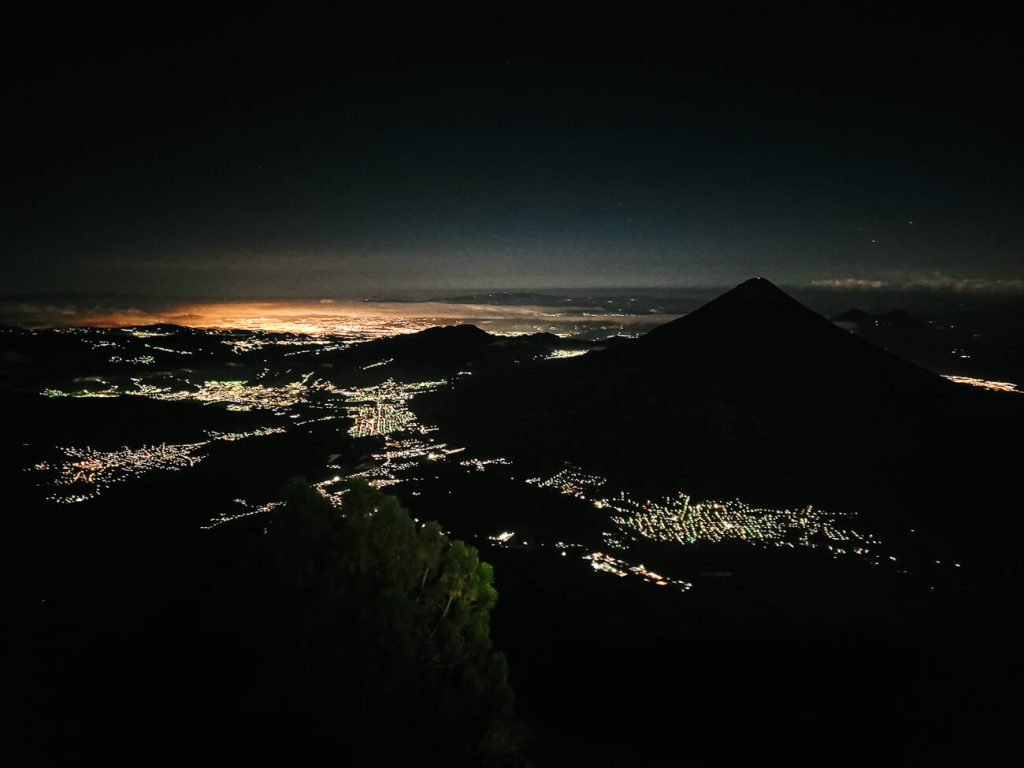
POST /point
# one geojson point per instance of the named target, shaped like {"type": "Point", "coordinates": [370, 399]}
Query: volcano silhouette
{"type": "Point", "coordinates": [752, 395]}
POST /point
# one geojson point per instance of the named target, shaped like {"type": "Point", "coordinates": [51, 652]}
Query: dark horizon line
{"type": "Point", "coordinates": [410, 295]}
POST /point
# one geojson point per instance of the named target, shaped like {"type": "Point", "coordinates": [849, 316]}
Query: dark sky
{"type": "Point", "coordinates": [250, 156]}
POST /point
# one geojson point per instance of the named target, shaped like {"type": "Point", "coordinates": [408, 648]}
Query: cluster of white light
{"type": "Point", "coordinates": [571, 482]}
{"type": "Point", "coordinates": [110, 391]}
{"type": "Point", "coordinates": [400, 456]}
{"type": "Point", "coordinates": [247, 344]}
{"type": "Point", "coordinates": [383, 409]}
{"type": "Point", "coordinates": [236, 395]}
{"type": "Point", "coordinates": [231, 437]}
{"type": "Point", "coordinates": [679, 519]}
{"type": "Point", "coordinates": [607, 564]}
{"type": "Point", "coordinates": [102, 469]}
{"type": "Point", "coordinates": [562, 354]}
{"type": "Point", "coordinates": [380, 419]}
{"type": "Point", "coordinates": [247, 511]}
{"type": "Point", "coordinates": [240, 346]}
{"type": "Point", "coordinates": [481, 464]}
{"type": "Point", "coordinates": [168, 349]}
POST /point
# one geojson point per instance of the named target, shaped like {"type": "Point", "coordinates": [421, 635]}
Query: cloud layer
{"type": "Point", "coordinates": [936, 282]}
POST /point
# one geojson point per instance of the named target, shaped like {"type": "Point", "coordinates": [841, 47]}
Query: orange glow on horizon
{"type": "Point", "coordinates": [351, 319]}
{"type": "Point", "coordinates": [362, 319]}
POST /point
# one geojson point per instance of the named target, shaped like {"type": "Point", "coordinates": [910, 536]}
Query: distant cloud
{"type": "Point", "coordinates": [45, 309]}
{"type": "Point", "coordinates": [48, 315]}
{"type": "Point", "coordinates": [936, 282]}
{"type": "Point", "coordinates": [940, 282]}
{"type": "Point", "coordinates": [848, 284]}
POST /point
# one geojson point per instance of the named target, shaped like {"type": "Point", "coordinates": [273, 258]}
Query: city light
{"type": "Point", "coordinates": [995, 386]}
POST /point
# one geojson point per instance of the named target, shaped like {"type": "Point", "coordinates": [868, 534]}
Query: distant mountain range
{"type": "Point", "coordinates": [989, 346]}
{"type": "Point", "coordinates": [912, 339]}
{"type": "Point", "coordinates": [445, 350]}
{"type": "Point", "coordinates": [32, 360]}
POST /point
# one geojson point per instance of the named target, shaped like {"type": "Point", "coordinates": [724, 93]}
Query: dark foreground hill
{"type": "Point", "coordinates": [752, 396]}
{"type": "Point", "coordinates": [445, 351]}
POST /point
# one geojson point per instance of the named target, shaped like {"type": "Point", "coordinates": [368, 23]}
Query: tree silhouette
{"type": "Point", "coordinates": [368, 628]}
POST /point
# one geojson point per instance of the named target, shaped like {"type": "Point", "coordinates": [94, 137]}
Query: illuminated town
{"type": "Point", "coordinates": [247, 510]}
{"type": "Point", "coordinates": [994, 386]}
{"type": "Point", "coordinates": [679, 519]}
{"type": "Point", "coordinates": [101, 469]}
{"type": "Point", "coordinates": [604, 563]}
{"type": "Point", "coordinates": [235, 395]}
{"type": "Point", "coordinates": [571, 482]}
{"type": "Point", "coordinates": [563, 354]}
{"type": "Point", "coordinates": [383, 409]}
{"type": "Point", "coordinates": [97, 470]}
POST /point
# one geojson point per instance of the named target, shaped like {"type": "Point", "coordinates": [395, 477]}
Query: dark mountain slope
{"type": "Point", "coordinates": [906, 336]}
{"type": "Point", "coordinates": [442, 344]}
{"type": "Point", "coordinates": [444, 351]}
{"type": "Point", "coordinates": [753, 395]}
{"type": "Point", "coordinates": [853, 317]}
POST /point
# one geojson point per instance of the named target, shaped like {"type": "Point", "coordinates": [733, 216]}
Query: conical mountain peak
{"type": "Point", "coordinates": [757, 291]}
{"type": "Point", "coordinates": [755, 286]}
{"type": "Point", "coordinates": [755, 305]}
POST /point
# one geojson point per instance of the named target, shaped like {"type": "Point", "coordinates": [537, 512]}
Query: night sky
{"type": "Point", "coordinates": [252, 157]}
